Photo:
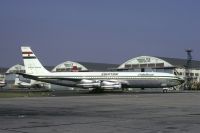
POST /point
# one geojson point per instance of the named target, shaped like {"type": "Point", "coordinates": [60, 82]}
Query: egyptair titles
{"type": "Point", "coordinates": [109, 74]}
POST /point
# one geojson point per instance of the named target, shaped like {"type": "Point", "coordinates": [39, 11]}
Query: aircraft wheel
{"type": "Point", "coordinates": [164, 90]}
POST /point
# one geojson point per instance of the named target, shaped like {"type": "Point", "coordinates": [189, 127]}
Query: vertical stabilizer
{"type": "Point", "coordinates": [31, 63]}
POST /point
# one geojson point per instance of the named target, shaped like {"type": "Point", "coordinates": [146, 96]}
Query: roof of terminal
{"type": "Point", "coordinates": [106, 66]}
{"type": "Point", "coordinates": [181, 62]}
{"type": "Point", "coordinates": [98, 66]}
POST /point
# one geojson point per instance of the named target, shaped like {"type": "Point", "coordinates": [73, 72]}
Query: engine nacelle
{"type": "Point", "coordinates": [110, 85]}
{"type": "Point", "coordinates": [85, 83]}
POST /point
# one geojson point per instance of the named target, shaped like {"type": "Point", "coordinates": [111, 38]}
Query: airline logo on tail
{"type": "Point", "coordinates": [27, 53]}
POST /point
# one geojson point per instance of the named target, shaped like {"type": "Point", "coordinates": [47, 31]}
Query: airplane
{"type": "Point", "coordinates": [96, 80]}
{"type": "Point", "coordinates": [2, 81]}
{"type": "Point", "coordinates": [2, 84]}
{"type": "Point", "coordinates": [32, 84]}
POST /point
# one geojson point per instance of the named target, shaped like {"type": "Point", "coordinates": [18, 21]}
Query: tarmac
{"type": "Point", "coordinates": [103, 113]}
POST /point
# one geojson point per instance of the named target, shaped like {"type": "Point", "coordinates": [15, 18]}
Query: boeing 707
{"type": "Point", "coordinates": [96, 80]}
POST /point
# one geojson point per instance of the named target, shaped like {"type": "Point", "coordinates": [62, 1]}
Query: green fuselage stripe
{"type": "Point", "coordinates": [29, 57]}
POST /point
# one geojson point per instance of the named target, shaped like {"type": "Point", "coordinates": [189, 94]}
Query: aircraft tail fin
{"type": "Point", "coordinates": [31, 62]}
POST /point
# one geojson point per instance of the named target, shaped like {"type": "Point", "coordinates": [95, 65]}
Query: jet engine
{"type": "Point", "coordinates": [85, 83]}
{"type": "Point", "coordinates": [111, 85]}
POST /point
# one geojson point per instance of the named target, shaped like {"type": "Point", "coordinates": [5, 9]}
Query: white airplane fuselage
{"type": "Point", "coordinates": [123, 79]}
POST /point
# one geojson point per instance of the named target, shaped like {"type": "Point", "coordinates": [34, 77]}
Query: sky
{"type": "Point", "coordinates": [102, 31]}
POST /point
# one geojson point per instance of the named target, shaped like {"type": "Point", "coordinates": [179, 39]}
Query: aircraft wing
{"type": "Point", "coordinates": [41, 78]}
{"type": "Point", "coordinates": [28, 76]}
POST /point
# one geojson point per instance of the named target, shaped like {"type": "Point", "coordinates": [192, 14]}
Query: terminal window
{"type": "Point", "coordinates": [191, 74]}
{"type": "Point", "coordinates": [143, 65]}
{"type": "Point", "coordinates": [151, 65]}
{"type": "Point", "coordinates": [135, 65]}
{"type": "Point", "coordinates": [127, 65]}
{"type": "Point", "coordinates": [160, 65]}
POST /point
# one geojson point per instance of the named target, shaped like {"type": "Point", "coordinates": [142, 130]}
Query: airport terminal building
{"type": "Point", "coordinates": [162, 64]}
